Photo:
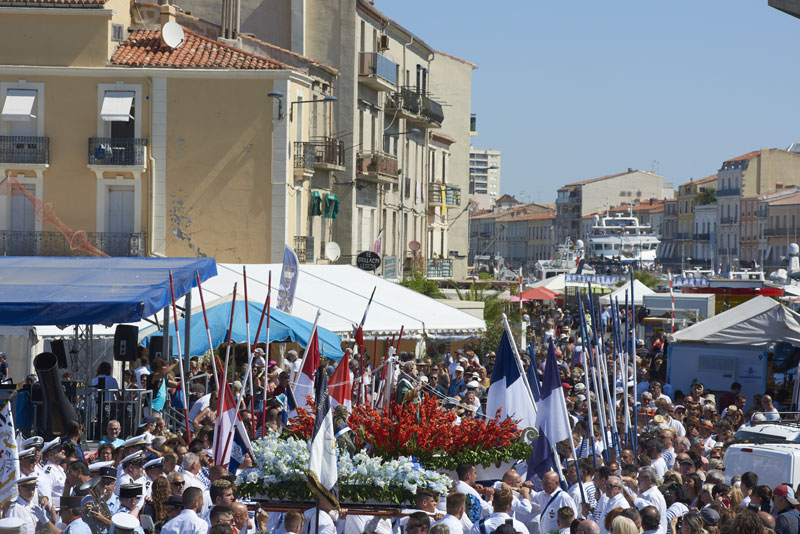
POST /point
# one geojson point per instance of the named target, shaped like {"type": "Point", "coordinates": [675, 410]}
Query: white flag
{"type": "Point", "coordinates": [9, 455]}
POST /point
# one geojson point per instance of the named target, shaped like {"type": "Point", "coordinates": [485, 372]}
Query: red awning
{"type": "Point", "coordinates": [538, 293]}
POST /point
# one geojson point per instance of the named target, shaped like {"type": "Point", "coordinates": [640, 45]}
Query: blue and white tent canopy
{"type": "Point", "coordinates": [283, 328]}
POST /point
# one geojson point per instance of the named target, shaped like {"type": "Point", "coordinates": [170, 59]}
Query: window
{"type": "Point", "coordinates": [119, 108]}
{"type": "Point", "coordinates": [18, 105]}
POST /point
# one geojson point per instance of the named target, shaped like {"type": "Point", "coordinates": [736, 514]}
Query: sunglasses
{"type": "Point", "coordinates": [181, 483]}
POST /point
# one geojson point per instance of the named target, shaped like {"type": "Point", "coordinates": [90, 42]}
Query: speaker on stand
{"type": "Point", "coordinates": [126, 339]}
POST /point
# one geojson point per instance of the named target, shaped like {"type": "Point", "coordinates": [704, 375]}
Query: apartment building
{"type": "Point", "coordinates": [578, 199]}
{"type": "Point", "coordinates": [484, 175]}
{"type": "Point", "coordinates": [779, 223]}
{"type": "Point", "coordinates": [390, 114]}
{"type": "Point", "coordinates": [668, 251]}
{"type": "Point", "coordinates": [704, 235]}
{"type": "Point", "coordinates": [507, 232]}
{"type": "Point", "coordinates": [746, 177]}
{"type": "Point", "coordinates": [130, 142]}
{"type": "Point", "coordinates": [525, 239]}
{"type": "Point", "coordinates": [688, 201]}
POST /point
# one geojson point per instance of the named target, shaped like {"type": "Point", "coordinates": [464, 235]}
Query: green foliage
{"type": "Point", "coordinates": [485, 276]}
{"type": "Point", "coordinates": [645, 277]}
{"type": "Point", "coordinates": [419, 283]}
{"type": "Point", "coordinates": [709, 196]}
{"type": "Point", "coordinates": [485, 457]}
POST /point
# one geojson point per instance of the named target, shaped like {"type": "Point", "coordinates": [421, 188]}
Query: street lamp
{"type": "Point", "coordinates": [402, 207]}
{"type": "Point", "coordinates": [328, 98]}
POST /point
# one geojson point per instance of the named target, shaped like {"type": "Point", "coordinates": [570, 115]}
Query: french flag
{"type": "Point", "coordinates": [507, 389]}
{"type": "Point", "coordinates": [552, 419]}
{"type": "Point", "coordinates": [340, 389]}
{"type": "Point", "coordinates": [304, 383]}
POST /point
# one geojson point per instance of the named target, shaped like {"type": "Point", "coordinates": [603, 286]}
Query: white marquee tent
{"type": "Point", "coordinates": [639, 291]}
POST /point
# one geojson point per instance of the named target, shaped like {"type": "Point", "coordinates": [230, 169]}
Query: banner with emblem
{"type": "Point", "coordinates": [9, 455]}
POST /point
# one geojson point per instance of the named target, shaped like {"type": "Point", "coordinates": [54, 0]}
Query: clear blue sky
{"type": "Point", "coordinates": [574, 90]}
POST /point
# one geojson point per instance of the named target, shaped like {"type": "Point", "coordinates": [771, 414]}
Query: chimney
{"type": "Point", "coordinates": [630, 170]}
{"type": "Point", "coordinates": [778, 186]}
{"type": "Point", "coordinates": [167, 14]}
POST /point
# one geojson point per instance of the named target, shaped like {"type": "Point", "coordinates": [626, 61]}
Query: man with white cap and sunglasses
{"type": "Point", "coordinates": [152, 469]}
{"type": "Point", "coordinates": [26, 508]}
{"type": "Point", "coordinates": [133, 472]}
{"type": "Point", "coordinates": [52, 479]}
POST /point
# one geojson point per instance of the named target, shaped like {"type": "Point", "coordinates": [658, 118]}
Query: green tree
{"type": "Point", "coordinates": [645, 277]}
{"type": "Point", "coordinates": [492, 314]}
{"type": "Point", "coordinates": [419, 283]}
{"type": "Point", "coordinates": [709, 196]}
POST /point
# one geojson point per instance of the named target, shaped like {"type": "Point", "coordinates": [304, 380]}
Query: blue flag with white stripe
{"type": "Point", "coordinates": [552, 421]}
{"type": "Point", "coordinates": [533, 376]}
{"type": "Point", "coordinates": [507, 389]}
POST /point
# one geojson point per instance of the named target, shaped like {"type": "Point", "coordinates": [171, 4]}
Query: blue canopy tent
{"type": "Point", "coordinates": [80, 291]}
{"type": "Point", "coordinates": [283, 327]}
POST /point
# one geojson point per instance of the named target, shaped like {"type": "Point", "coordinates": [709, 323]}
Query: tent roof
{"type": "Point", "coordinates": [639, 290]}
{"type": "Point", "coordinates": [67, 291]}
{"type": "Point", "coordinates": [282, 327]}
{"type": "Point", "coordinates": [341, 293]}
{"type": "Point", "coordinates": [556, 283]}
{"type": "Point", "coordinates": [755, 323]}
{"type": "Point", "coordinates": [538, 293]}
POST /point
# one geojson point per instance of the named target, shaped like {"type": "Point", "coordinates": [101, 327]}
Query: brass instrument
{"type": "Point", "coordinates": [93, 501]}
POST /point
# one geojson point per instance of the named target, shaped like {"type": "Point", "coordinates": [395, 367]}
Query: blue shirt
{"type": "Point", "coordinates": [78, 526]}
{"type": "Point", "coordinates": [116, 443]}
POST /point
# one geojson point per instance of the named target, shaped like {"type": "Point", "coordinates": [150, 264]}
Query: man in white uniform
{"type": "Point", "coordinates": [616, 499]}
{"type": "Point", "coordinates": [649, 495]}
{"type": "Point", "coordinates": [133, 473]}
{"type": "Point", "coordinates": [25, 508]}
{"type": "Point", "coordinates": [455, 511]}
{"type": "Point", "coordinates": [502, 506]}
{"type": "Point", "coordinates": [51, 482]}
{"type": "Point", "coordinates": [467, 475]}
{"type": "Point", "coordinates": [549, 501]}
{"type": "Point", "coordinates": [188, 521]}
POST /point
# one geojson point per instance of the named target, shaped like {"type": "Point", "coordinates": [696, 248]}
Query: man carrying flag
{"type": "Point", "coordinates": [322, 475]}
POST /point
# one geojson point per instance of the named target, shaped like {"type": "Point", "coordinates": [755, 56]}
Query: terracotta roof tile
{"type": "Point", "coordinates": [144, 49]}
{"type": "Point", "coordinates": [749, 155]}
{"type": "Point", "coordinates": [507, 198]}
{"type": "Point", "coordinates": [529, 217]}
{"type": "Point", "coordinates": [788, 200]}
{"type": "Point", "coordinates": [54, 3]}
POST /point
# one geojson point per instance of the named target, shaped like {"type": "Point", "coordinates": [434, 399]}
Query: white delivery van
{"type": "Point", "coordinates": [774, 463]}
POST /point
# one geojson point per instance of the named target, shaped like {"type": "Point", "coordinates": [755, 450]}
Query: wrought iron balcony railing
{"type": "Point", "coordinates": [24, 149]}
{"type": "Point", "coordinates": [31, 243]}
{"type": "Point", "coordinates": [117, 152]}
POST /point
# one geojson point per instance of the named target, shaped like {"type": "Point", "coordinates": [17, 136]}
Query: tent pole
{"type": "Point", "coordinates": [187, 338]}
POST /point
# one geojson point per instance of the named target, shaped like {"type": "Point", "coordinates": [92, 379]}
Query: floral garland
{"type": "Point", "coordinates": [429, 432]}
{"type": "Point", "coordinates": [281, 474]}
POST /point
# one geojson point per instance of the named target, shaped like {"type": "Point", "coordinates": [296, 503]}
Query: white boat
{"type": "Point", "coordinates": [621, 238]}
{"type": "Point", "coordinates": [566, 261]}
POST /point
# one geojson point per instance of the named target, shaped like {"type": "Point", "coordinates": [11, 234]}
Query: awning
{"type": "Point", "coordinates": [538, 293]}
{"type": "Point", "coordinates": [70, 291]}
{"type": "Point", "coordinates": [19, 105]}
{"type": "Point", "coordinates": [117, 106]}
{"type": "Point", "coordinates": [639, 291]}
{"type": "Point", "coordinates": [341, 293]}
{"type": "Point", "coordinates": [282, 328]}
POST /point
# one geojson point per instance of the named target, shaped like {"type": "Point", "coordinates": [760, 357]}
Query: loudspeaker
{"type": "Point", "coordinates": [126, 338]}
{"type": "Point", "coordinates": [57, 409]}
{"type": "Point", "coordinates": [57, 346]}
{"type": "Point", "coordinates": [157, 348]}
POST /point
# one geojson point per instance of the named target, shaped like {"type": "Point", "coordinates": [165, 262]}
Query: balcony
{"type": "Point", "coordinates": [325, 153]}
{"type": "Point", "coordinates": [377, 71]}
{"type": "Point", "coordinates": [728, 220]}
{"type": "Point", "coordinates": [681, 235]}
{"type": "Point", "coordinates": [786, 231]}
{"type": "Point", "coordinates": [728, 252]}
{"type": "Point", "coordinates": [473, 124]}
{"type": "Point", "coordinates": [441, 194]}
{"type": "Point", "coordinates": [377, 166]}
{"type": "Point", "coordinates": [304, 248]}
{"type": "Point", "coordinates": [25, 150]}
{"type": "Point", "coordinates": [432, 111]}
{"type": "Point", "coordinates": [702, 237]}
{"type": "Point", "coordinates": [439, 268]}
{"type": "Point", "coordinates": [118, 152]}
{"type": "Point", "coordinates": [21, 243]}
{"type": "Point", "coordinates": [416, 107]}
{"type": "Point", "coordinates": [728, 192]}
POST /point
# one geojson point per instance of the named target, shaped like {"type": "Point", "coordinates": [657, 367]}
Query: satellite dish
{"type": "Point", "coordinates": [332, 251]}
{"type": "Point", "coordinates": [414, 246]}
{"type": "Point", "coordinates": [172, 34]}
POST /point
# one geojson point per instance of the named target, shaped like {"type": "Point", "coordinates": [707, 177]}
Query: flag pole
{"type": "Point", "coordinates": [269, 313]}
{"type": "Point", "coordinates": [249, 354]}
{"type": "Point", "coordinates": [208, 329]}
{"type": "Point", "coordinates": [586, 360]}
{"type": "Point", "coordinates": [228, 347]}
{"type": "Point", "coordinates": [180, 358]}
{"type": "Point", "coordinates": [305, 352]}
{"type": "Point", "coordinates": [601, 409]}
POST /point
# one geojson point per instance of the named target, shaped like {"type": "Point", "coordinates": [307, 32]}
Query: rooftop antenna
{"type": "Point", "coordinates": [172, 34]}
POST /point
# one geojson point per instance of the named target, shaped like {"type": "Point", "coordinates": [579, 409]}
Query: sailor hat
{"type": "Point", "coordinates": [51, 444]}
{"type": "Point", "coordinates": [124, 521]}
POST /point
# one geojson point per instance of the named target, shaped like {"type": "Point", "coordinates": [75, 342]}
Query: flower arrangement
{"type": "Point", "coordinates": [429, 432]}
{"type": "Point", "coordinates": [282, 465]}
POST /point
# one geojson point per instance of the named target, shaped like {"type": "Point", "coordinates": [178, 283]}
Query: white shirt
{"type": "Point", "coordinates": [584, 448]}
{"type": "Point", "coordinates": [549, 505]}
{"type": "Point", "coordinates": [678, 509]}
{"type": "Point", "coordinates": [660, 465]}
{"type": "Point", "coordinates": [495, 520]}
{"type": "Point", "coordinates": [677, 425]}
{"type": "Point", "coordinates": [139, 372]}
{"type": "Point", "coordinates": [399, 524]}
{"type": "Point", "coordinates": [51, 483]}
{"type": "Point", "coordinates": [327, 525]}
{"type": "Point", "coordinates": [187, 522]}
{"type": "Point", "coordinates": [198, 406]}
{"type": "Point", "coordinates": [618, 501]}
{"type": "Point", "coordinates": [588, 490]}
{"type": "Point", "coordinates": [654, 497]}
{"type": "Point", "coordinates": [463, 487]}
{"type": "Point", "coordinates": [110, 383]}
{"type": "Point", "coordinates": [31, 515]}
{"type": "Point", "coordinates": [599, 507]}
{"type": "Point", "coordinates": [452, 522]}
{"type": "Point", "coordinates": [357, 524]}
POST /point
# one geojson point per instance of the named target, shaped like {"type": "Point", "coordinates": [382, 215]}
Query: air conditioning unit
{"type": "Point", "coordinates": [383, 43]}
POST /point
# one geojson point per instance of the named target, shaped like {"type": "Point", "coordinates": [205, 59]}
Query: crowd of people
{"type": "Point", "coordinates": [663, 476]}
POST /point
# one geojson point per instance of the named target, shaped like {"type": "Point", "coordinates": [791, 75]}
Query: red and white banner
{"type": "Point", "coordinates": [340, 387]}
